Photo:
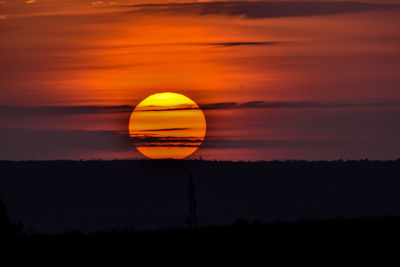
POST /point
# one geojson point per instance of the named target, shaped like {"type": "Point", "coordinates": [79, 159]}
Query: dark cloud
{"type": "Point", "coordinates": [260, 9]}
{"type": "Point", "coordinates": [93, 66]}
{"type": "Point", "coordinates": [215, 142]}
{"type": "Point", "coordinates": [222, 44]}
{"type": "Point", "coordinates": [171, 141]}
{"type": "Point", "coordinates": [23, 144]}
{"type": "Point", "coordinates": [58, 144]}
{"type": "Point", "coordinates": [230, 44]}
{"type": "Point", "coordinates": [164, 129]}
{"type": "Point", "coordinates": [167, 109]}
{"type": "Point", "coordinates": [298, 104]}
{"type": "Point", "coordinates": [41, 144]}
{"type": "Point", "coordinates": [25, 111]}
{"type": "Point", "coordinates": [221, 105]}
{"type": "Point", "coordinates": [218, 142]}
{"type": "Point", "coordinates": [61, 110]}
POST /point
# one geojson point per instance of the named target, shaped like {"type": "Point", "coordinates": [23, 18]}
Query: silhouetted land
{"type": "Point", "coordinates": [310, 239]}
{"type": "Point", "coordinates": [82, 197]}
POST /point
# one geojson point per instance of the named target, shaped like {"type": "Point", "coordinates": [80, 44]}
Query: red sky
{"type": "Point", "coordinates": [322, 79]}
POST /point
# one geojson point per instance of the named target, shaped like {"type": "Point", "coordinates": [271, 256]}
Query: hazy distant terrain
{"type": "Point", "coordinates": [59, 196]}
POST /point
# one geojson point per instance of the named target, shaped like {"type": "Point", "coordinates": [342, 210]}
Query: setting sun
{"type": "Point", "coordinates": [167, 126]}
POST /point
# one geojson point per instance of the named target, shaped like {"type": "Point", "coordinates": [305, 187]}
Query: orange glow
{"type": "Point", "coordinates": [167, 125]}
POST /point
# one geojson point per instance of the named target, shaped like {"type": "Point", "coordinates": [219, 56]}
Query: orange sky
{"type": "Point", "coordinates": [74, 53]}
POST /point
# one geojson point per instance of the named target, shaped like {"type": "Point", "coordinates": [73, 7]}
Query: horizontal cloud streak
{"type": "Point", "coordinates": [258, 143]}
{"type": "Point", "coordinates": [22, 144]}
{"type": "Point", "coordinates": [260, 9]}
{"type": "Point", "coordinates": [230, 44]}
{"type": "Point", "coordinates": [9, 111]}
{"type": "Point", "coordinates": [39, 144]}
{"type": "Point", "coordinates": [164, 129]}
{"type": "Point", "coordinates": [148, 140]}
{"type": "Point", "coordinates": [217, 142]}
{"type": "Point", "coordinates": [301, 104]}
{"type": "Point", "coordinates": [62, 110]}
{"type": "Point", "coordinates": [285, 104]}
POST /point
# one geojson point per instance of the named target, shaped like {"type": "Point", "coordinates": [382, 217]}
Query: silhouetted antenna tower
{"type": "Point", "coordinates": [192, 216]}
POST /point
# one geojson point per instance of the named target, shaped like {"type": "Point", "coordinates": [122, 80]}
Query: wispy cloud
{"type": "Point", "coordinates": [218, 142]}
{"type": "Point", "coordinates": [260, 9]}
{"type": "Point", "coordinates": [163, 129]}
{"type": "Point", "coordinates": [288, 104]}
{"type": "Point", "coordinates": [229, 44]}
{"type": "Point", "coordinates": [66, 110]}
{"type": "Point", "coordinates": [300, 104]}
{"type": "Point", "coordinates": [164, 141]}
{"type": "Point", "coordinates": [62, 110]}
{"type": "Point", "coordinates": [20, 144]}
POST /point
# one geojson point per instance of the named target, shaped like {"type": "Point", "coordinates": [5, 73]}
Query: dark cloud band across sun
{"type": "Point", "coordinates": [65, 110]}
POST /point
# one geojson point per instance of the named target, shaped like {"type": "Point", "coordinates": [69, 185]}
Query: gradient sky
{"type": "Point", "coordinates": [276, 80]}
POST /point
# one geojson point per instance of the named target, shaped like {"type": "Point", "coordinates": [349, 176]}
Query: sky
{"type": "Point", "coordinates": [276, 80]}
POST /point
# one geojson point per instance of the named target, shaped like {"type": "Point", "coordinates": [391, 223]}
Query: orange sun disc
{"type": "Point", "coordinates": [167, 126]}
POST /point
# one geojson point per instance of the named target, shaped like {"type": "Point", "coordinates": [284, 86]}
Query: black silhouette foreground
{"type": "Point", "coordinates": [133, 208]}
{"type": "Point", "coordinates": [333, 236]}
{"type": "Point", "coordinates": [8, 230]}
{"type": "Point", "coordinates": [5, 224]}
{"type": "Point", "coordinates": [192, 215]}
{"type": "Point", "coordinates": [99, 200]}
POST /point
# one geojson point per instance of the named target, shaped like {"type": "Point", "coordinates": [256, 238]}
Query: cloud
{"type": "Point", "coordinates": [298, 104]}
{"type": "Point", "coordinates": [11, 111]}
{"type": "Point", "coordinates": [163, 130]}
{"type": "Point", "coordinates": [260, 9]}
{"type": "Point", "coordinates": [40, 144]}
{"type": "Point", "coordinates": [283, 104]}
{"type": "Point", "coordinates": [24, 144]}
{"type": "Point", "coordinates": [221, 105]}
{"type": "Point", "coordinates": [215, 142]}
{"type": "Point", "coordinates": [68, 66]}
{"type": "Point", "coordinates": [218, 142]}
{"type": "Point", "coordinates": [229, 44]}
{"type": "Point", "coordinates": [170, 141]}
{"type": "Point", "coordinates": [62, 110]}
{"type": "Point", "coordinates": [58, 144]}
{"type": "Point", "coordinates": [224, 44]}
{"type": "Point", "coordinates": [30, 1]}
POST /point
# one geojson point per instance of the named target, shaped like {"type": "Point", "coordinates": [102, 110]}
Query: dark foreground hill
{"type": "Point", "coordinates": [363, 239]}
{"type": "Point", "coordinates": [55, 197]}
